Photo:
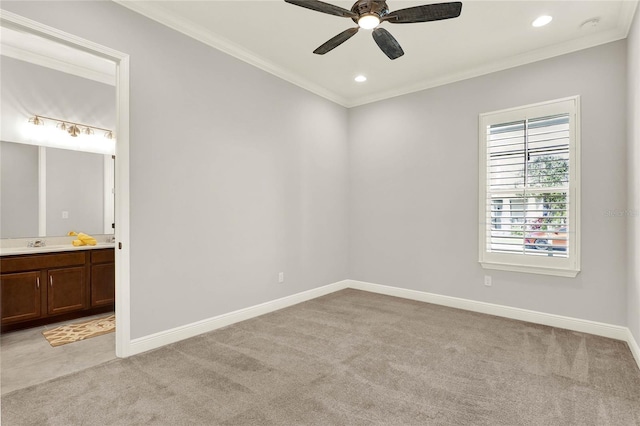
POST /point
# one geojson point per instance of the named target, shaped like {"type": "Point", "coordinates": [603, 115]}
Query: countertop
{"type": "Point", "coordinates": [12, 251]}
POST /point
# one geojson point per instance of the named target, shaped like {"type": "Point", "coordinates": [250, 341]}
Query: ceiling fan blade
{"type": "Point", "coordinates": [323, 7]}
{"type": "Point", "coordinates": [387, 43]}
{"type": "Point", "coordinates": [424, 13]}
{"type": "Point", "coordinates": [336, 41]}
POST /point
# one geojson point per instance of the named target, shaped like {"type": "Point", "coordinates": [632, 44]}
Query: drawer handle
{"type": "Point", "coordinates": [38, 283]}
{"type": "Point", "coordinates": [51, 280]}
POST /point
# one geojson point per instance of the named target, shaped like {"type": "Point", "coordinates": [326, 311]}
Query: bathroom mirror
{"type": "Point", "coordinates": [48, 192]}
{"type": "Point", "coordinates": [53, 182]}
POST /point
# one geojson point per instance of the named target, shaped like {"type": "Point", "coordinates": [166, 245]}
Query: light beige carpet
{"type": "Point", "coordinates": [353, 358]}
{"type": "Point", "coordinates": [80, 331]}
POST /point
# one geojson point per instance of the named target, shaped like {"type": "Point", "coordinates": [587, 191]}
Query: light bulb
{"type": "Point", "coordinates": [368, 22]}
{"type": "Point", "coordinates": [360, 79]}
{"type": "Point", "coordinates": [74, 131]}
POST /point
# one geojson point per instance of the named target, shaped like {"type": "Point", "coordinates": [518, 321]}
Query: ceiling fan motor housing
{"type": "Point", "coordinates": [368, 7]}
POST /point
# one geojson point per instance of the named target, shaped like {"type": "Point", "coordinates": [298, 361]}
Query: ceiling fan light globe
{"type": "Point", "coordinates": [368, 22]}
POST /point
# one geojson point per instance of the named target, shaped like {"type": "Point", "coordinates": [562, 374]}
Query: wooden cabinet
{"type": "Point", "coordinates": [66, 292]}
{"type": "Point", "coordinates": [20, 295]}
{"type": "Point", "coordinates": [38, 289]}
{"type": "Point", "coordinates": [103, 278]}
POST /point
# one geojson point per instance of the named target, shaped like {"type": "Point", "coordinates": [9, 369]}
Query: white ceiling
{"type": "Point", "coordinates": [488, 36]}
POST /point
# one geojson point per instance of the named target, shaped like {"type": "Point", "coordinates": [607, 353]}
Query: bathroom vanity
{"type": "Point", "coordinates": [56, 285]}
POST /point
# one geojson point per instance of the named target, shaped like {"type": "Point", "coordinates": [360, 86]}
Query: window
{"type": "Point", "coordinates": [529, 188]}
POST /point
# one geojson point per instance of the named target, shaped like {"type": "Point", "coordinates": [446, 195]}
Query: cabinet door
{"type": "Point", "coordinates": [67, 290]}
{"type": "Point", "coordinates": [103, 284]}
{"type": "Point", "coordinates": [20, 295]}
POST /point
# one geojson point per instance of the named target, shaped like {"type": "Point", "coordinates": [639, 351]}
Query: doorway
{"type": "Point", "coordinates": [120, 61]}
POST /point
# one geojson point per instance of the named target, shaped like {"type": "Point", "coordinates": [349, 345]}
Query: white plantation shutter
{"type": "Point", "coordinates": [528, 188]}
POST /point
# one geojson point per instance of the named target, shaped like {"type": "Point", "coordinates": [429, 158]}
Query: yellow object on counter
{"type": "Point", "coordinates": [87, 239]}
{"type": "Point", "coordinates": [77, 243]}
{"type": "Point", "coordinates": [72, 234]}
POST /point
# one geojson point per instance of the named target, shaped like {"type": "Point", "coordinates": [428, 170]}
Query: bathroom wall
{"type": "Point", "coordinates": [414, 187]}
{"type": "Point", "coordinates": [18, 187]}
{"type": "Point", "coordinates": [73, 178]}
{"type": "Point", "coordinates": [29, 89]}
{"type": "Point", "coordinates": [236, 175]}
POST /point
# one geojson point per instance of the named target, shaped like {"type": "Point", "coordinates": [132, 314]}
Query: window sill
{"type": "Point", "coordinates": [569, 273]}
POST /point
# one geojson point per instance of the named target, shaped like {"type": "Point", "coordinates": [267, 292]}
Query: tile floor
{"type": "Point", "coordinates": [26, 358]}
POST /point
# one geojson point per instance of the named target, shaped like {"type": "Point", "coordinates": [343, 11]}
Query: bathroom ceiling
{"type": "Point", "coordinates": [47, 53]}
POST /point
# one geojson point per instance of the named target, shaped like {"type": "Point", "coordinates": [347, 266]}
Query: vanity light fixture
{"type": "Point", "coordinates": [37, 121]}
{"type": "Point", "coordinates": [74, 129]}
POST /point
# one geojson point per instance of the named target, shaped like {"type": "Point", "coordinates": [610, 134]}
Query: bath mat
{"type": "Point", "coordinates": [80, 331]}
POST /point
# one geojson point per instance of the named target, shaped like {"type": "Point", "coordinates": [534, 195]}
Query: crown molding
{"type": "Point", "coordinates": [525, 58]}
{"type": "Point", "coordinates": [205, 36]}
{"type": "Point", "coordinates": [627, 12]}
{"type": "Point", "coordinates": [156, 13]}
{"type": "Point", "coordinates": [19, 23]}
{"type": "Point", "coordinates": [58, 65]}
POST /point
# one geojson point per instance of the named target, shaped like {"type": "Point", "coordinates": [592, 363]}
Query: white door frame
{"type": "Point", "coordinates": [121, 60]}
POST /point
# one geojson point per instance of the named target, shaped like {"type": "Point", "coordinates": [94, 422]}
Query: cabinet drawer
{"type": "Point", "coordinates": [41, 261]}
{"type": "Point", "coordinates": [103, 256]}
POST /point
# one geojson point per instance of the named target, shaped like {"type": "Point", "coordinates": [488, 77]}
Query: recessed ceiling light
{"type": "Point", "coordinates": [360, 78]}
{"type": "Point", "coordinates": [541, 21]}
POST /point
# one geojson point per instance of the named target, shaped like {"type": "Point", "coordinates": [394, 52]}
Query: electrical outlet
{"type": "Point", "coordinates": [487, 280]}
{"type": "Point", "coordinates": [281, 277]}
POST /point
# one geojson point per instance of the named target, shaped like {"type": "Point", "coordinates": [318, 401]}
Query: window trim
{"type": "Point", "coordinates": [564, 267]}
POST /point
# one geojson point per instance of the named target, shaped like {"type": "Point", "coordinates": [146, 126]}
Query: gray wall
{"type": "Point", "coordinates": [236, 175]}
{"type": "Point", "coordinates": [18, 187]}
{"type": "Point", "coordinates": [75, 184]}
{"type": "Point", "coordinates": [414, 187]}
{"type": "Point", "coordinates": [633, 114]}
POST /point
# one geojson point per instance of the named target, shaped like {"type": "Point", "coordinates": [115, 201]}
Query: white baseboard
{"type": "Point", "coordinates": [575, 324]}
{"type": "Point", "coordinates": [162, 338]}
{"type": "Point", "coordinates": [633, 345]}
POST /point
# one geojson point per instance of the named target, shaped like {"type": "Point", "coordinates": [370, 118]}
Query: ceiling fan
{"type": "Point", "coordinates": [368, 14]}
